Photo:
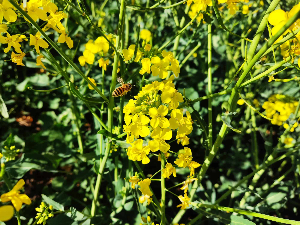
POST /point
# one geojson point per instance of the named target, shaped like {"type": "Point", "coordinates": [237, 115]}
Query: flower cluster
{"type": "Point", "coordinates": [159, 64]}
{"type": "Point", "coordinates": [45, 11]}
{"type": "Point", "coordinates": [15, 197]}
{"type": "Point", "coordinates": [150, 120]}
{"type": "Point", "coordinates": [101, 47]}
{"type": "Point", "coordinates": [44, 213]}
{"type": "Point", "coordinates": [279, 108]}
{"type": "Point", "coordinates": [157, 115]}
{"type": "Point", "coordinates": [278, 19]}
{"type": "Point", "coordinates": [201, 5]}
{"type": "Point", "coordinates": [10, 153]}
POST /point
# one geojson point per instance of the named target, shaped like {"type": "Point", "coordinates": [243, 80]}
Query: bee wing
{"type": "Point", "coordinates": [120, 80]}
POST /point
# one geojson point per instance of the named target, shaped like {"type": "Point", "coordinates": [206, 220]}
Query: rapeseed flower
{"type": "Point", "coordinates": [185, 201]}
{"type": "Point", "coordinates": [184, 157]}
{"type": "Point", "coordinates": [39, 61]}
{"type": "Point", "coordinates": [134, 180]}
{"type": "Point", "coordinates": [145, 187]}
{"type": "Point", "coordinates": [17, 58]}
{"type": "Point", "coordinates": [145, 35]}
{"type": "Point", "coordinates": [103, 63]}
{"type": "Point", "coordinates": [7, 12]}
{"type": "Point", "coordinates": [279, 108]}
{"type": "Point", "coordinates": [38, 42]}
{"type": "Point", "coordinates": [15, 197]}
{"type": "Point", "coordinates": [12, 41]}
{"type": "Point", "coordinates": [168, 171]}
{"type": "Point", "coordinates": [146, 63]}
{"type": "Point", "coordinates": [6, 213]}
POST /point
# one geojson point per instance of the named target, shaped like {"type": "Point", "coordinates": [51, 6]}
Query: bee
{"type": "Point", "coordinates": [121, 91]}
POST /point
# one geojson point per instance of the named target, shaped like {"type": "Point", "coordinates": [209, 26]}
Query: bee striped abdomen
{"type": "Point", "coordinates": [121, 91]}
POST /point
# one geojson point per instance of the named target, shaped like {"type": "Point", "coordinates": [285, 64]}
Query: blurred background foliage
{"type": "Point", "coordinates": [44, 127]}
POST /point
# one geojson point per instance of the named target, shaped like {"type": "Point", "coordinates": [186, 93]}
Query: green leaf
{"type": "Point", "coordinates": [238, 220]}
{"type": "Point", "coordinates": [55, 204]}
{"type": "Point", "coordinates": [3, 108]}
{"type": "Point", "coordinates": [128, 206]}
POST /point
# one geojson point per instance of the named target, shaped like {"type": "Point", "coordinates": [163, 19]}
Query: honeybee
{"type": "Point", "coordinates": [121, 91]}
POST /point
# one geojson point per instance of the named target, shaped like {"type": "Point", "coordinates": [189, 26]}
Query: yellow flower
{"type": "Point", "coordinates": [6, 213]}
{"type": "Point", "coordinates": [159, 67]}
{"type": "Point", "coordinates": [145, 35]}
{"type": "Point", "coordinates": [7, 11]}
{"type": "Point", "coordinates": [1, 155]}
{"type": "Point", "coordinates": [145, 187]}
{"type": "Point", "coordinates": [288, 141]}
{"type": "Point", "coordinates": [146, 63]}
{"type": "Point", "coordinates": [17, 58]}
{"type": "Point", "coordinates": [168, 171]}
{"type": "Point", "coordinates": [245, 9]}
{"type": "Point", "coordinates": [93, 81]}
{"type": "Point", "coordinates": [185, 201]}
{"type": "Point", "coordinates": [241, 102]}
{"type": "Point", "coordinates": [158, 117]}
{"type": "Point", "coordinates": [38, 42]}
{"type": "Point", "coordinates": [34, 10]}
{"type": "Point", "coordinates": [138, 152]}
{"type": "Point", "coordinates": [144, 198]}
{"type": "Point", "coordinates": [103, 63]}
{"type": "Point", "coordinates": [129, 53]}
{"type": "Point", "coordinates": [134, 180]}
{"type": "Point", "coordinates": [12, 41]}
{"type": "Point", "coordinates": [184, 157]}
{"type": "Point", "coordinates": [192, 166]}
{"type": "Point", "coordinates": [186, 183]}
{"type": "Point", "coordinates": [39, 61]}
{"type": "Point", "coordinates": [15, 197]}
{"type": "Point", "coordinates": [64, 38]}
{"type": "Point", "coordinates": [147, 47]}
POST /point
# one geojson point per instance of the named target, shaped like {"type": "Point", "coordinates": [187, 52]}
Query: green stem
{"type": "Point", "coordinates": [249, 213]}
{"type": "Point", "coordinates": [254, 139]}
{"type": "Point", "coordinates": [110, 107]}
{"type": "Point", "coordinates": [190, 54]}
{"type": "Point", "coordinates": [270, 158]}
{"type": "Point", "coordinates": [15, 4]}
{"type": "Point", "coordinates": [262, 167]}
{"type": "Point", "coordinates": [232, 106]}
{"type": "Point", "coordinates": [209, 87]}
{"type": "Point", "coordinates": [163, 191]}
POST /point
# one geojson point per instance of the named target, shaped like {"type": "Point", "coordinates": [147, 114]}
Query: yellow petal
{"type": "Point", "coordinates": [277, 16]}
{"type": "Point", "coordinates": [6, 213]}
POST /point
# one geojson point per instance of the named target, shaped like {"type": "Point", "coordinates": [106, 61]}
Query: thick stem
{"type": "Point", "coordinates": [163, 192]}
{"type": "Point", "coordinates": [209, 86]}
{"type": "Point", "coordinates": [232, 105]}
{"type": "Point", "coordinates": [110, 107]}
{"type": "Point", "coordinates": [254, 140]}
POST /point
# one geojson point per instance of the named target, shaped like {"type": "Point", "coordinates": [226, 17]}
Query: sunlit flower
{"type": "Point", "coordinates": [134, 180]}
{"type": "Point", "coordinates": [17, 58]}
{"type": "Point", "coordinates": [15, 197]}
{"type": "Point", "coordinates": [185, 201]}
{"type": "Point", "coordinates": [145, 35]}
{"type": "Point", "coordinates": [103, 63]}
{"type": "Point", "coordinates": [38, 42]}
{"type": "Point", "coordinates": [184, 157]}
{"type": "Point", "coordinates": [7, 12]}
{"type": "Point", "coordinates": [186, 183]}
{"type": "Point", "coordinates": [39, 61]}
{"type": "Point", "coordinates": [145, 187]}
{"type": "Point", "coordinates": [65, 38]}
{"type": "Point", "coordinates": [6, 213]}
{"type": "Point", "coordinates": [168, 171]}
